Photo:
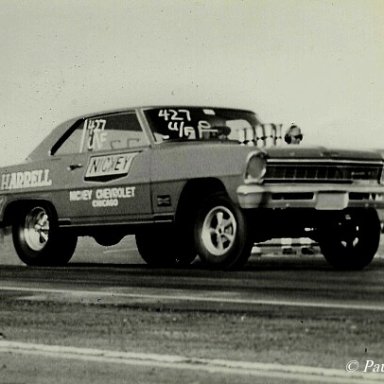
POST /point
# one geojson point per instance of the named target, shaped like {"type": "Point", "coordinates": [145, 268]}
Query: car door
{"type": "Point", "coordinates": [104, 163]}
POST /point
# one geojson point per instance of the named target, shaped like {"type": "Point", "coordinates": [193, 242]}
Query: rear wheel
{"type": "Point", "coordinates": [221, 233]}
{"type": "Point", "coordinates": [165, 246]}
{"type": "Point", "coordinates": [351, 238]}
{"type": "Point", "coordinates": [38, 240]}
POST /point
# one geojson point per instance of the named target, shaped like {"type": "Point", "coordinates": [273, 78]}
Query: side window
{"type": "Point", "coordinates": [103, 133]}
{"type": "Point", "coordinates": [70, 143]}
{"type": "Point", "coordinates": [116, 131]}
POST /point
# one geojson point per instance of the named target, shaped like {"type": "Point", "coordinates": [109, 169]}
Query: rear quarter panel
{"type": "Point", "coordinates": [26, 181]}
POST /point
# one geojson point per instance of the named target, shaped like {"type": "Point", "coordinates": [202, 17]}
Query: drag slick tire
{"type": "Point", "coordinates": [37, 239]}
{"type": "Point", "coordinates": [165, 246]}
{"type": "Point", "coordinates": [221, 233]}
{"type": "Point", "coordinates": [350, 240]}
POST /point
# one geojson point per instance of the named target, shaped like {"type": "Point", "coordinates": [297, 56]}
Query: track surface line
{"type": "Point", "coordinates": [196, 298]}
{"type": "Point", "coordinates": [294, 372]}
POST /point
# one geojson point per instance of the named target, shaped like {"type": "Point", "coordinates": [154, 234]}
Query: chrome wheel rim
{"type": "Point", "coordinates": [36, 229]}
{"type": "Point", "coordinates": [349, 232]}
{"type": "Point", "coordinates": [219, 230]}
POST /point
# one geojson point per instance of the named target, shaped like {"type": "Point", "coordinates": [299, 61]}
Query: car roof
{"type": "Point", "coordinates": [43, 149]}
{"type": "Point", "coordinates": [165, 106]}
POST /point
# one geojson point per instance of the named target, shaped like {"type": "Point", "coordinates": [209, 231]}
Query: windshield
{"type": "Point", "coordinates": [185, 124]}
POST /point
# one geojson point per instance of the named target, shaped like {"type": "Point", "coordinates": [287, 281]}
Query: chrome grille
{"type": "Point", "coordinates": [323, 172]}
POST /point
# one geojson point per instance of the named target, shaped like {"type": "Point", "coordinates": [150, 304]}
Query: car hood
{"type": "Point", "coordinates": [289, 151]}
{"type": "Point", "coordinates": [319, 152]}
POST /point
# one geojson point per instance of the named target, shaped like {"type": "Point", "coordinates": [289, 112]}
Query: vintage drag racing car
{"type": "Point", "coordinates": [189, 181]}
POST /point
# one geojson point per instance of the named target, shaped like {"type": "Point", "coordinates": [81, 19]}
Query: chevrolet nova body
{"type": "Point", "coordinates": [189, 181]}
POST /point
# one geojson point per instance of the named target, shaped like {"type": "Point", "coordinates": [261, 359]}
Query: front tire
{"type": "Point", "coordinates": [37, 239]}
{"type": "Point", "coordinates": [351, 238]}
{"type": "Point", "coordinates": [221, 233]}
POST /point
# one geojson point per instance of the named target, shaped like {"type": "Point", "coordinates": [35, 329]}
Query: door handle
{"type": "Point", "coordinates": [72, 167]}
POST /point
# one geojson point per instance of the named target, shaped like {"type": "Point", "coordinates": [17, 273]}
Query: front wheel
{"type": "Point", "coordinates": [221, 233]}
{"type": "Point", "coordinates": [350, 239]}
{"type": "Point", "coordinates": [38, 240]}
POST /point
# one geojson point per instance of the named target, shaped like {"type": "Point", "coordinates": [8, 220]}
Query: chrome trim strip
{"type": "Point", "coordinates": [322, 161]}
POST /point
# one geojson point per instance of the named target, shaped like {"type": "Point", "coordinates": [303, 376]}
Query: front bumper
{"type": "Point", "coordinates": [311, 195]}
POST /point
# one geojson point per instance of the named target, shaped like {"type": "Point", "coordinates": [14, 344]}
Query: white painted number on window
{"type": "Point", "coordinates": [175, 114]}
{"type": "Point", "coordinates": [96, 134]}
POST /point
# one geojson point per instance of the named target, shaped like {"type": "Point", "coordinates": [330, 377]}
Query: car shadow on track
{"type": "Point", "coordinates": [125, 258]}
{"type": "Point", "coordinates": [275, 263]}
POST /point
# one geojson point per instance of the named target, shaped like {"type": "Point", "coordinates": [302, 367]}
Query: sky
{"type": "Point", "coordinates": [317, 63]}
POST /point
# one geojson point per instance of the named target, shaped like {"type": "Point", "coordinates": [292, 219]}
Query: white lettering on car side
{"type": "Point", "coordinates": [83, 195]}
{"type": "Point", "coordinates": [109, 166]}
{"type": "Point", "coordinates": [103, 197]}
{"type": "Point", "coordinates": [26, 179]}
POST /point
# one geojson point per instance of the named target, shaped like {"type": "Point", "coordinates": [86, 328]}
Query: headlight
{"type": "Point", "coordinates": [256, 168]}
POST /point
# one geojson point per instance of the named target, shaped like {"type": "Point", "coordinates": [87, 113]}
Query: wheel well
{"type": "Point", "coordinates": [15, 208]}
{"type": "Point", "coordinates": [193, 192]}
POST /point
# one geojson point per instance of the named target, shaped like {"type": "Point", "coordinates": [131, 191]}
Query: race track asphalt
{"type": "Point", "coordinates": [279, 319]}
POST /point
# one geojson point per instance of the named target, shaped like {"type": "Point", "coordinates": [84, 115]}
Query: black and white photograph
{"type": "Point", "coordinates": [191, 191]}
